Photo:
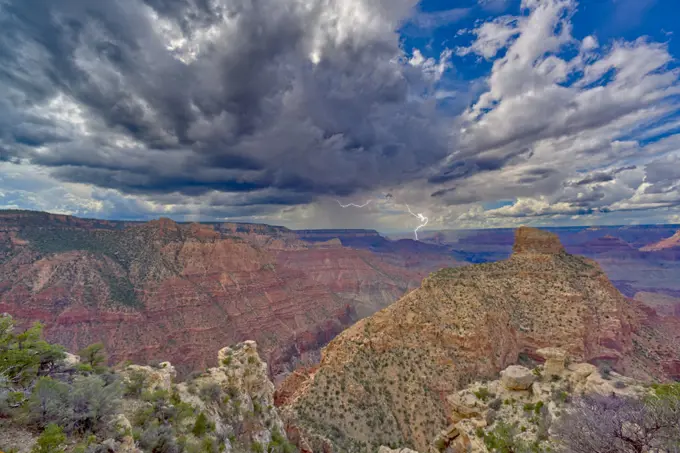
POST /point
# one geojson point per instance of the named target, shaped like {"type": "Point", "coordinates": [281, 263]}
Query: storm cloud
{"type": "Point", "coordinates": [193, 96]}
{"type": "Point", "coordinates": [271, 110]}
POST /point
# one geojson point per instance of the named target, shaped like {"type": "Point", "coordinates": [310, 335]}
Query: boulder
{"type": "Point", "coordinates": [517, 377]}
{"type": "Point", "coordinates": [595, 383]}
{"type": "Point", "coordinates": [580, 372]}
{"type": "Point", "coordinates": [555, 359]}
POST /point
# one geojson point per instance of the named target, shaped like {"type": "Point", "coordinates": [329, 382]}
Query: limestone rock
{"type": "Point", "coordinates": [465, 405]}
{"type": "Point", "coordinates": [384, 449]}
{"type": "Point", "coordinates": [555, 359]}
{"type": "Point", "coordinates": [239, 386]}
{"type": "Point", "coordinates": [70, 360]}
{"type": "Point", "coordinates": [444, 439]}
{"type": "Point", "coordinates": [160, 378]}
{"type": "Point", "coordinates": [579, 372]}
{"type": "Point", "coordinates": [517, 377]}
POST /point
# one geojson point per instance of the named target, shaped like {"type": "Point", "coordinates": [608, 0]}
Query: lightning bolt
{"type": "Point", "coordinates": [355, 205]}
{"type": "Point", "coordinates": [423, 221]}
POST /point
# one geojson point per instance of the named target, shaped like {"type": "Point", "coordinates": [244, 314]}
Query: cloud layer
{"type": "Point", "coordinates": [305, 98]}
{"type": "Point", "coordinates": [268, 109]}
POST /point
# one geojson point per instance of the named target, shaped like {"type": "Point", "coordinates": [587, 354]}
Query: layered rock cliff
{"type": "Point", "coordinates": [668, 243]}
{"type": "Point", "coordinates": [385, 380]}
{"type": "Point", "coordinates": [181, 291]}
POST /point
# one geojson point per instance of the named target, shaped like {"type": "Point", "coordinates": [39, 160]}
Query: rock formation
{"type": "Point", "coordinates": [555, 359]}
{"type": "Point", "coordinates": [533, 410]}
{"type": "Point", "coordinates": [228, 408]}
{"type": "Point", "coordinates": [162, 290]}
{"type": "Point", "coordinates": [671, 242]}
{"type": "Point", "coordinates": [385, 380]}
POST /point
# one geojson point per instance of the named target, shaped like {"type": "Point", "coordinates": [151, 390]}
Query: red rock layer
{"type": "Point", "coordinates": [163, 291]}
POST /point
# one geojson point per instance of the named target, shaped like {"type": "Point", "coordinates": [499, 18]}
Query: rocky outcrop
{"type": "Point", "coordinates": [165, 290]}
{"type": "Point", "coordinates": [155, 378]}
{"type": "Point", "coordinates": [534, 409]}
{"type": "Point", "coordinates": [135, 409]}
{"type": "Point", "coordinates": [384, 449]}
{"type": "Point", "coordinates": [555, 359]}
{"type": "Point", "coordinates": [237, 397]}
{"type": "Point", "coordinates": [668, 243]}
{"type": "Point", "coordinates": [388, 376]}
{"type": "Point", "coordinates": [532, 240]}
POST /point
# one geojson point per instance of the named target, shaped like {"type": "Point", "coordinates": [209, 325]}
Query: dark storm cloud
{"type": "Point", "coordinates": [237, 105]}
{"type": "Point", "coordinates": [534, 175]}
{"type": "Point", "coordinates": [491, 161]}
{"type": "Point", "coordinates": [600, 177]}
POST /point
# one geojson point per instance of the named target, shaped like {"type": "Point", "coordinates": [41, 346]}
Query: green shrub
{"type": "Point", "coordinates": [201, 426]}
{"type": "Point", "coordinates": [483, 394]}
{"type": "Point", "coordinates": [49, 403]}
{"type": "Point", "coordinates": [210, 391]}
{"type": "Point", "coordinates": [51, 440]}
{"type": "Point", "coordinates": [135, 383]}
{"type": "Point", "coordinates": [95, 356]}
{"type": "Point", "coordinates": [94, 404]}
{"type": "Point", "coordinates": [538, 407]}
{"type": "Point", "coordinates": [279, 444]}
{"type": "Point", "coordinates": [84, 368]}
{"type": "Point", "coordinates": [159, 439]}
{"type": "Point", "coordinates": [26, 356]}
{"type": "Point", "coordinates": [503, 439]}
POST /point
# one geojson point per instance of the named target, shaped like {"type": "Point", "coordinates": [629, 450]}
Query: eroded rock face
{"type": "Point", "coordinates": [466, 324]}
{"type": "Point", "coordinates": [163, 290]}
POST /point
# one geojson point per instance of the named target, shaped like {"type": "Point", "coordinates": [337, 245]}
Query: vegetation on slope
{"type": "Point", "coordinates": [53, 402]}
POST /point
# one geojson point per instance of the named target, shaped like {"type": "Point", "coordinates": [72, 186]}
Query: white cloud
{"type": "Point", "coordinates": [551, 115]}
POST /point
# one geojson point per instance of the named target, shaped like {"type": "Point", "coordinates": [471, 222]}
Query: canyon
{"type": "Point", "coordinates": [162, 290]}
{"type": "Point", "coordinates": [387, 380]}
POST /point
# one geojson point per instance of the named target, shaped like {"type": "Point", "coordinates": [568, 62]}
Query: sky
{"type": "Point", "coordinates": [472, 113]}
